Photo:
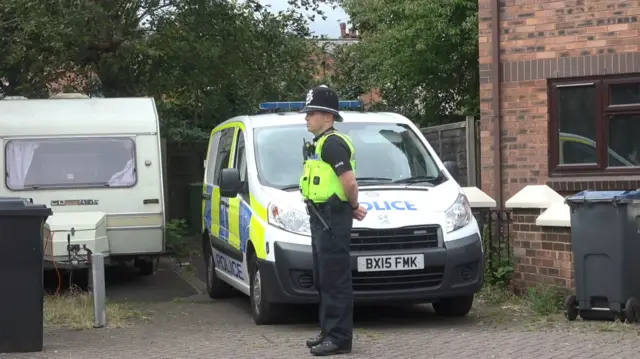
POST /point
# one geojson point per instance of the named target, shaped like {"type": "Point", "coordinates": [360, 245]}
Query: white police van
{"type": "Point", "coordinates": [419, 242]}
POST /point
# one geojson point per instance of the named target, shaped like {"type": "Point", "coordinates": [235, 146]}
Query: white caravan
{"type": "Point", "coordinates": [97, 163]}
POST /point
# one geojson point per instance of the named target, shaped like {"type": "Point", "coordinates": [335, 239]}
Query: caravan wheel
{"type": "Point", "coordinates": [147, 266]}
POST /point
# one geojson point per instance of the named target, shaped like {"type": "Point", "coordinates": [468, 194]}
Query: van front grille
{"type": "Point", "coordinates": [416, 237]}
{"type": "Point", "coordinates": [397, 280]}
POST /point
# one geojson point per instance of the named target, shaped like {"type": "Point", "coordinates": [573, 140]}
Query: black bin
{"type": "Point", "coordinates": [21, 267]}
{"type": "Point", "coordinates": [605, 235]}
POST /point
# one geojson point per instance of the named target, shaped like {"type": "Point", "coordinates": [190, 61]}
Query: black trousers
{"type": "Point", "coordinates": [332, 272]}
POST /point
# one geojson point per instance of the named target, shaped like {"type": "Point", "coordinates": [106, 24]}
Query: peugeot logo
{"type": "Point", "coordinates": [383, 219]}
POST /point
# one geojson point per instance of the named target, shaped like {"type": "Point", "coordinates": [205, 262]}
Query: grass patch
{"type": "Point", "coordinates": [495, 296]}
{"type": "Point", "coordinates": [538, 308]}
{"type": "Point", "coordinates": [540, 301]}
{"type": "Point", "coordinates": [496, 305]}
{"type": "Point", "coordinates": [74, 310]}
{"type": "Point", "coordinates": [184, 248]}
{"type": "Point", "coordinates": [545, 300]}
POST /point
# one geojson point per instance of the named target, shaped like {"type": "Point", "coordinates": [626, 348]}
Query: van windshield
{"type": "Point", "coordinates": [385, 153]}
{"type": "Point", "coordinates": [70, 163]}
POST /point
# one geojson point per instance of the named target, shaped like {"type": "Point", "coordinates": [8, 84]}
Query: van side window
{"type": "Point", "coordinates": [213, 155]}
{"type": "Point", "coordinates": [240, 157]}
{"type": "Point", "coordinates": [223, 153]}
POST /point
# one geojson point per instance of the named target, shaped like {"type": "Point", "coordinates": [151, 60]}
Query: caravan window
{"type": "Point", "coordinates": [70, 163]}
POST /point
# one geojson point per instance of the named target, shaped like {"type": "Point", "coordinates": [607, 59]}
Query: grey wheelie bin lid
{"type": "Point", "coordinates": [18, 206]}
{"type": "Point", "coordinates": [604, 197]}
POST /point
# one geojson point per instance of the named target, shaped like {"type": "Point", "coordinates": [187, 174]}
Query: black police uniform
{"type": "Point", "coordinates": [331, 256]}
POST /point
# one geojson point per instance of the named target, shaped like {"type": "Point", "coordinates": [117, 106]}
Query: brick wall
{"type": "Point", "coordinates": [543, 254]}
{"type": "Point", "coordinates": [567, 187]}
{"type": "Point", "coordinates": [541, 39]}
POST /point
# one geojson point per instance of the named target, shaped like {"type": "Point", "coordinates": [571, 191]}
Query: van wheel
{"type": "Point", "coordinates": [263, 311]}
{"type": "Point", "coordinates": [453, 307]}
{"type": "Point", "coordinates": [216, 287]}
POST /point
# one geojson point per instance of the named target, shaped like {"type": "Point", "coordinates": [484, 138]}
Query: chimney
{"type": "Point", "coordinates": [352, 32]}
{"type": "Point", "coordinates": [343, 30]}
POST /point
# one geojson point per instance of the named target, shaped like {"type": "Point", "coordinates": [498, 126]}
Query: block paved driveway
{"type": "Point", "coordinates": [225, 330]}
{"type": "Point", "coordinates": [200, 328]}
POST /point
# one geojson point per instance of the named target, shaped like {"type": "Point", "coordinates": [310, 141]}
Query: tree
{"type": "Point", "coordinates": [33, 39]}
{"type": "Point", "coordinates": [218, 60]}
{"type": "Point", "coordinates": [45, 42]}
{"type": "Point", "coordinates": [421, 54]}
{"type": "Point", "coordinates": [203, 60]}
{"type": "Point", "coordinates": [348, 75]}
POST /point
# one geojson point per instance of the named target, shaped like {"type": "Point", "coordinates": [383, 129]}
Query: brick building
{"type": "Point", "coordinates": [560, 99]}
{"type": "Point", "coordinates": [325, 62]}
{"type": "Point", "coordinates": [564, 94]}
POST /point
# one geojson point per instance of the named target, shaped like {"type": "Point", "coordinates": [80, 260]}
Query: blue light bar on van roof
{"type": "Point", "coordinates": [298, 105]}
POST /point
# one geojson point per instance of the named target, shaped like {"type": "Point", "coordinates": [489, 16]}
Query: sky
{"type": "Point", "coordinates": [329, 27]}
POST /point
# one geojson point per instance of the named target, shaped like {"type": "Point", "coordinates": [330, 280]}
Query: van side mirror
{"type": "Point", "coordinates": [230, 182]}
{"type": "Point", "coordinates": [452, 167]}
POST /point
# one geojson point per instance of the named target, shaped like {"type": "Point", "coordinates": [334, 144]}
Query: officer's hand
{"type": "Point", "coordinates": [359, 213]}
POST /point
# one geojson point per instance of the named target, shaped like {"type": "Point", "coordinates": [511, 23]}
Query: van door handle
{"type": "Point", "coordinates": [206, 195]}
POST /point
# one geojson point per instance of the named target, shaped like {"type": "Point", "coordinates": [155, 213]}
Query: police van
{"type": "Point", "coordinates": [419, 242]}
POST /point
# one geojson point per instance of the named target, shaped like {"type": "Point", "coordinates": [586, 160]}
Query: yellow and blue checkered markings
{"type": "Point", "coordinates": [245, 224]}
{"type": "Point", "coordinates": [233, 218]}
{"type": "Point", "coordinates": [223, 209]}
{"type": "Point", "coordinates": [207, 208]}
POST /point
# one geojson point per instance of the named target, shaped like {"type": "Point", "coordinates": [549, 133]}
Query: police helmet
{"type": "Point", "coordinates": [323, 99]}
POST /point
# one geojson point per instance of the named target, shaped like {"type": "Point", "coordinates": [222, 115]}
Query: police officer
{"type": "Point", "coordinates": [329, 187]}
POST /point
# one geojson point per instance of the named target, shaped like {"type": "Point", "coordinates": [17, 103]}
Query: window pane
{"type": "Point", "coordinates": [625, 94]}
{"type": "Point", "coordinates": [224, 153]}
{"type": "Point", "coordinates": [213, 155]}
{"type": "Point", "coordinates": [576, 108]}
{"type": "Point", "coordinates": [383, 150]}
{"type": "Point", "coordinates": [70, 163]}
{"type": "Point", "coordinates": [240, 158]}
{"type": "Point", "coordinates": [623, 140]}
{"type": "Point", "coordinates": [576, 152]}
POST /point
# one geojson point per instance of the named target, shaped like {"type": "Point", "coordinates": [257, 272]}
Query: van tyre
{"type": "Point", "coordinates": [216, 287]}
{"type": "Point", "coordinates": [453, 307]}
{"type": "Point", "coordinates": [263, 311]}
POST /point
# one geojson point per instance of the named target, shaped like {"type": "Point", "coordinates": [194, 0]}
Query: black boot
{"type": "Point", "coordinates": [315, 341]}
{"type": "Point", "coordinates": [328, 347]}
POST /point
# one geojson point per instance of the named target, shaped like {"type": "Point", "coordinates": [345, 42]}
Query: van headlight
{"type": "Point", "coordinates": [459, 214]}
{"type": "Point", "coordinates": [289, 219]}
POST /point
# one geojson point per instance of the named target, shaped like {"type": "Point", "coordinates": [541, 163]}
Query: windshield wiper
{"type": "Point", "coordinates": [375, 179]}
{"type": "Point", "coordinates": [363, 179]}
{"type": "Point", "coordinates": [416, 179]}
{"type": "Point", "coordinates": [290, 187]}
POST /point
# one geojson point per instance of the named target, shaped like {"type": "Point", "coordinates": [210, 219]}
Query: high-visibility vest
{"type": "Point", "coordinates": [319, 181]}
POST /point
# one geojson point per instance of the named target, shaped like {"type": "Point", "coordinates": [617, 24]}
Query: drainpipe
{"type": "Point", "coordinates": [496, 80]}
